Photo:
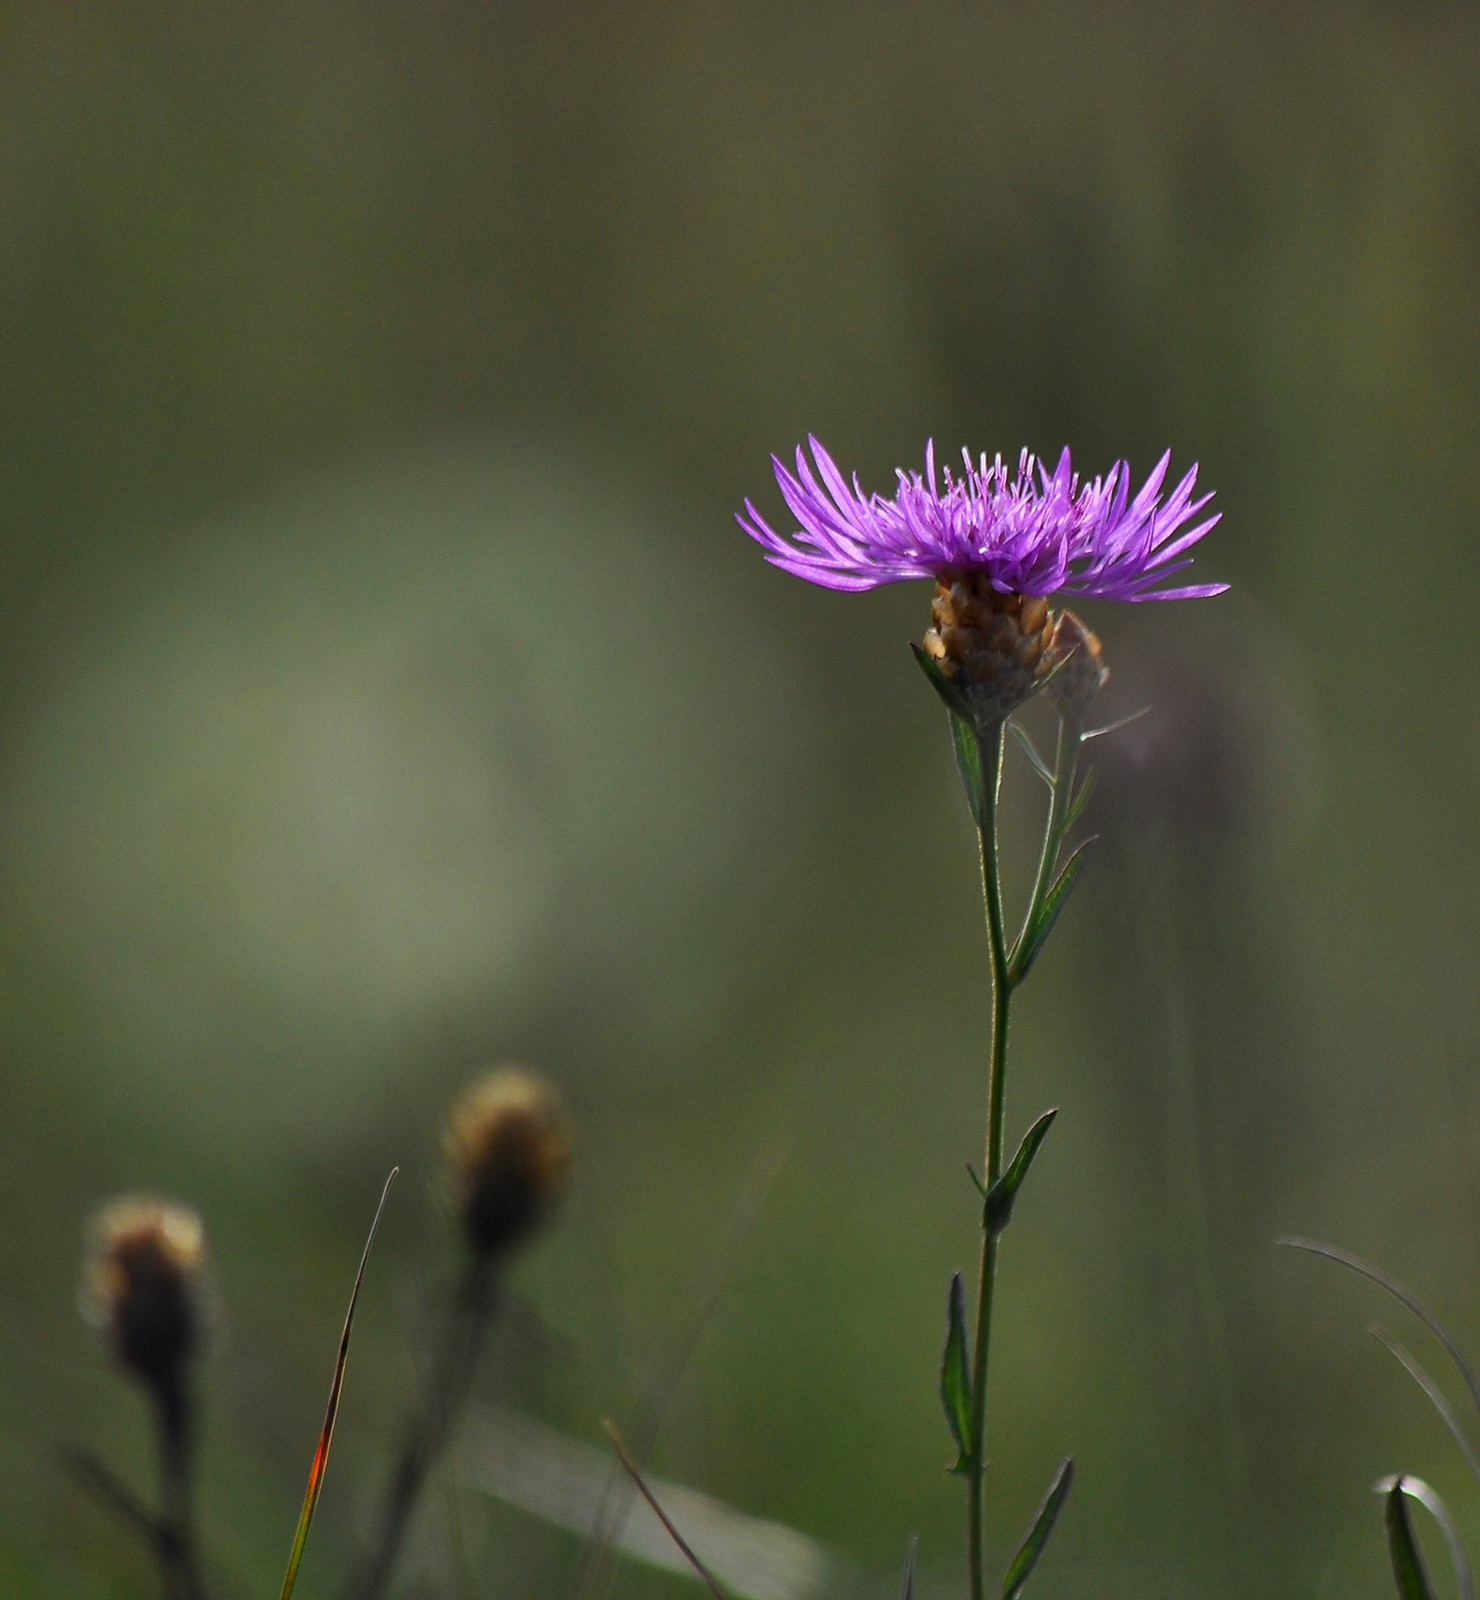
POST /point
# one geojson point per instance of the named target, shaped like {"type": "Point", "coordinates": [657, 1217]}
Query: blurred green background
{"type": "Point", "coordinates": [387, 690]}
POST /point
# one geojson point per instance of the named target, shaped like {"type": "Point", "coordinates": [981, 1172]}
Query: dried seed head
{"type": "Point", "coordinates": [994, 647]}
{"type": "Point", "coordinates": [1079, 658]}
{"type": "Point", "coordinates": [142, 1285]}
{"type": "Point", "coordinates": [507, 1148]}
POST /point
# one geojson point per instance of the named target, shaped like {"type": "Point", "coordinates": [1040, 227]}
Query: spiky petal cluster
{"type": "Point", "coordinates": [1034, 534]}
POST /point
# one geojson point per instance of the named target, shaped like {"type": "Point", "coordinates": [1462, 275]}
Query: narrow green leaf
{"type": "Point", "coordinates": [1417, 1489]}
{"type": "Point", "coordinates": [320, 1462]}
{"type": "Point", "coordinates": [955, 1377]}
{"type": "Point", "coordinates": [1033, 1546]}
{"type": "Point", "coordinates": [1036, 937]}
{"type": "Point", "coordinates": [1000, 1198]}
{"type": "Point", "coordinates": [1039, 765]}
{"type": "Point", "coordinates": [1079, 802]}
{"type": "Point", "coordinates": [1409, 1572]}
{"type": "Point", "coordinates": [975, 1177]}
{"type": "Point", "coordinates": [969, 765]}
{"type": "Point", "coordinates": [954, 701]}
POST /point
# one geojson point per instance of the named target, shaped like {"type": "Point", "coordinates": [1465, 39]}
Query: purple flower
{"type": "Point", "coordinates": [1035, 534]}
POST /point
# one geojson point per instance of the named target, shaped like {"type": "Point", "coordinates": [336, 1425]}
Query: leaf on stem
{"type": "Point", "coordinates": [1036, 936]}
{"type": "Point", "coordinates": [955, 1375]}
{"type": "Point", "coordinates": [326, 1433]}
{"type": "Point", "coordinates": [1409, 1572]}
{"type": "Point", "coordinates": [1001, 1197]}
{"type": "Point", "coordinates": [951, 697]}
{"type": "Point", "coordinates": [1033, 1546]}
{"type": "Point", "coordinates": [1417, 1489]}
{"type": "Point", "coordinates": [1039, 765]}
{"type": "Point", "coordinates": [969, 765]}
{"type": "Point", "coordinates": [963, 732]}
{"type": "Point", "coordinates": [1079, 802]}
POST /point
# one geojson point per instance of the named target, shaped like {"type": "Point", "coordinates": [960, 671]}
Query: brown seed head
{"type": "Point", "coordinates": [507, 1148]}
{"type": "Point", "coordinates": [142, 1285]}
{"type": "Point", "coordinates": [994, 647]}
{"type": "Point", "coordinates": [1081, 672]}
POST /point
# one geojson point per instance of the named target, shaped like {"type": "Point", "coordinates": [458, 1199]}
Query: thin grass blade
{"type": "Point", "coordinates": [326, 1433]}
{"type": "Point", "coordinates": [635, 1473]}
{"type": "Point", "coordinates": [1437, 1397]}
{"type": "Point", "coordinates": [1404, 1296]}
{"type": "Point", "coordinates": [907, 1592]}
{"type": "Point", "coordinates": [1417, 1489]}
{"type": "Point", "coordinates": [1033, 1546]}
{"type": "Point", "coordinates": [598, 1560]}
{"type": "Point", "coordinates": [1409, 1572]}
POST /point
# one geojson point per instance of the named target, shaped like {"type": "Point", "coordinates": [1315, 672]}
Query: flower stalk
{"type": "Point", "coordinates": [989, 768]}
{"type": "Point", "coordinates": [999, 548]}
{"type": "Point", "coordinates": [451, 1379]}
{"type": "Point", "coordinates": [1009, 966]}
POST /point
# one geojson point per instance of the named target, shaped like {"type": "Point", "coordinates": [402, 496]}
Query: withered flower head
{"type": "Point", "coordinates": [142, 1284]}
{"type": "Point", "coordinates": [1079, 658]}
{"type": "Point", "coordinates": [507, 1148]}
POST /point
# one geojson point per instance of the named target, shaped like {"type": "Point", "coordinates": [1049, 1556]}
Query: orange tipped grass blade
{"type": "Point", "coordinates": [326, 1433]}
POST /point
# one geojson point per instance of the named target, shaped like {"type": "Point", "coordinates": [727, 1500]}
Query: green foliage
{"type": "Point", "coordinates": [1409, 1572]}
{"type": "Point", "coordinates": [1037, 1540]}
{"type": "Point", "coordinates": [1001, 1197]}
{"type": "Point", "coordinates": [955, 1373]}
{"type": "Point", "coordinates": [1035, 935]}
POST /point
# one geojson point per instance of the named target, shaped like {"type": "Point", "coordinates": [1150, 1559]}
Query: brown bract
{"type": "Point", "coordinates": [994, 647]}
{"type": "Point", "coordinates": [1079, 660]}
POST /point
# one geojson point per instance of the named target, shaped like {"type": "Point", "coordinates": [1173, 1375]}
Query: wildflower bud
{"type": "Point", "coordinates": [507, 1147]}
{"type": "Point", "coordinates": [995, 647]}
{"type": "Point", "coordinates": [142, 1286]}
{"type": "Point", "coordinates": [1079, 660]}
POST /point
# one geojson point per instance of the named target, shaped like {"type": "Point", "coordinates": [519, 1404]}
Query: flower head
{"type": "Point", "coordinates": [1080, 670]}
{"type": "Point", "coordinates": [142, 1285]}
{"type": "Point", "coordinates": [507, 1148]}
{"type": "Point", "coordinates": [1034, 534]}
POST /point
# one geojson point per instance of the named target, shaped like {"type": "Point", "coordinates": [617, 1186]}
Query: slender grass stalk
{"type": "Point", "coordinates": [451, 1377]}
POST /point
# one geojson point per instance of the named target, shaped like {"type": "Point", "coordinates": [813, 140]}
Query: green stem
{"type": "Point", "coordinates": [989, 745]}
{"type": "Point", "coordinates": [175, 1530]}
